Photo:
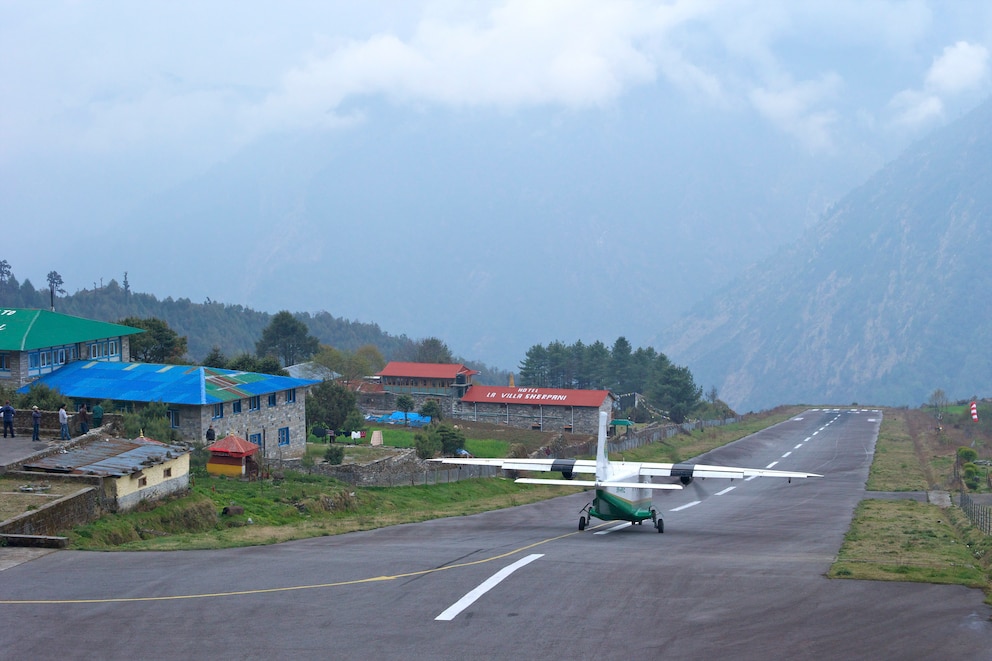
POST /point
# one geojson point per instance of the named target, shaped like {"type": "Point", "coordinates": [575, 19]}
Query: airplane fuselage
{"type": "Point", "coordinates": [622, 503]}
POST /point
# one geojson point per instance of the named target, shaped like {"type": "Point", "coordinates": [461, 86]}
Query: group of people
{"type": "Point", "coordinates": [84, 416]}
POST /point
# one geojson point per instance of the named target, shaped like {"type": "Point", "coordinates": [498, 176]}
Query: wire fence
{"type": "Point", "coordinates": [980, 515]}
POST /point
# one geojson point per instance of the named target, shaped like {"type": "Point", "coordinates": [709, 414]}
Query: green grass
{"type": "Point", "coordinates": [896, 465]}
{"type": "Point", "coordinates": [297, 507]}
{"type": "Point", "coordinates": [487, 447]}
{"type": "Point", "coordinates": [905, 540]}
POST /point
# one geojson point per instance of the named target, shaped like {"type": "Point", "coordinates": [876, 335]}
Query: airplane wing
{"type": "Point", "coordinates": [688, 471]}
{"type": "Point", "coordinates": [548, 465]}
{"type": "Point", "coordinates": [593, 483]}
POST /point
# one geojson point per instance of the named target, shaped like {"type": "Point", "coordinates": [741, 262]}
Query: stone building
{"type": "Point", "coordinates": [268, 410]}
{"type": "Point", "coordinates": [444, 382]}
{"type": "Point", "coordinates": [544, 409]}
{"type": "Point", "coordinates": [130, 470]}
{"type": "Point", "coordinates": [34, 343]}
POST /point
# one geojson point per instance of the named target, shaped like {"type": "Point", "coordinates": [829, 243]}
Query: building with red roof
{"type": "Point", "coordinates": [544, 409]}
{"type": "Point", "coordinates": [442, 382]}
{"type": "Point", "coordinates": [232, 455]}
{"type": "Point", "coordinates": [445, 379]}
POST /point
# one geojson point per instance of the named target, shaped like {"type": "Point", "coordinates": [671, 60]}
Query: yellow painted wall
{"type": "Point", "coordinates": [225, 469]}
{"type": "Point", "coordinates": [155, 475]}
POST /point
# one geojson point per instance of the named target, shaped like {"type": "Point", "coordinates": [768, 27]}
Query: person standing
{"type": "Point", "coordinates": [8, 419]}
{"type": "Point", "coordinates": [97, 416]}
{"type": "Point", "coordinates": [64, 423]}
{"type": "Point", "coordinates": [211, 434]}
{"type": "Point", "coordinates": [35, 423]}
{"type": "Point", "coordinates": [84, 419]}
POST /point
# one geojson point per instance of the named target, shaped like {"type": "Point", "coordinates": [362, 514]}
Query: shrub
{"type": "Point", "coordinates": [334, 455]}
{"type": "Point", "coordinates": [427, 444]}
{"type": "Point", "coordinates": [966, 455]}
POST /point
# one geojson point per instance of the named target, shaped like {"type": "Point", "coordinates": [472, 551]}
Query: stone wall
{"type": "Point", "coordinates": [384, 403]}
{"type": "Point", "coordinates": [49, 427]}
{"type": "Point", "coordinates": [57, 516]}
{"type": "Point", "coordinates": [574, 419]}
{"type": "Point", "coordinates": [404, 469]}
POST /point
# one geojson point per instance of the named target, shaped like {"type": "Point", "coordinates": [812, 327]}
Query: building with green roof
{"type": "Point", "coordinates": [34, 343]}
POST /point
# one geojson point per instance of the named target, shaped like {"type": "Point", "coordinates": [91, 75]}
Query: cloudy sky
{"type": "Point", "coordinates": [109, 105]}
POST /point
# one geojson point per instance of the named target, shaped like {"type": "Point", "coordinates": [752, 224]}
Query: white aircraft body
{"type": "Point", "coordinates": [623, 489]}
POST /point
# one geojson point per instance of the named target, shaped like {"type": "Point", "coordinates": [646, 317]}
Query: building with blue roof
{"type": "Point", "coordinates": [265, 409]}
{"type": "Point", "coordinates": [38, 342]}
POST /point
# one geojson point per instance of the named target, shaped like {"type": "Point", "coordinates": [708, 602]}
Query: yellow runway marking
{"type": "Point", "coordinates": [359, 581]}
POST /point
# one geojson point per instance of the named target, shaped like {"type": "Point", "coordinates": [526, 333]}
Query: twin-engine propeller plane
{"type": "Point", "coordinates": [623, 489]}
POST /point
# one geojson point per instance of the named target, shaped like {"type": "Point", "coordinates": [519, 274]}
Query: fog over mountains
{"type": "Point", "coordinates": [884, 301]}
{"type": "Point", "coordinates": [509, 173]}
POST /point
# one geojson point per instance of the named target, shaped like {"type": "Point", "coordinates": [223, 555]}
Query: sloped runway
{"type": "Point", "coordinates": [737, 575]}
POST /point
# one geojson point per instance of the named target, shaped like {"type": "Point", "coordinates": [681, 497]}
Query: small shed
{"type": "Point", "coordinates": [624, 424]}
{"type": "Point", "coordinates": [232, 455]}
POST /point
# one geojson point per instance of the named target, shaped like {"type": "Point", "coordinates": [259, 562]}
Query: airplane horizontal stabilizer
{"type": "Point", "coordinates": [591, 483]}
{"type": "Point", "coordinates": [557, 483]}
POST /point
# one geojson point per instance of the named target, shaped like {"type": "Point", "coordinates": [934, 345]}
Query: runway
{"type": "Point", "coordinates": [738, 573]}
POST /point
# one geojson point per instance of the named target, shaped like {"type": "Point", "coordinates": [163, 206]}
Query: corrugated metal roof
{"type": "Point", "coordinates": [425, 370]}
{"type": "Point", "coordinates": [112, 457]}
{"type": "Point", "coordinates": [24, 329]}
{"type": "Point", "coordinates": [542, 396]}
{"type": "Point", "coordinates": [172, 384]}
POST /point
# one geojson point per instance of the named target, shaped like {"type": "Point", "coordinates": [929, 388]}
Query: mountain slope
{"type": "Point", "coordinates": [883, 301]}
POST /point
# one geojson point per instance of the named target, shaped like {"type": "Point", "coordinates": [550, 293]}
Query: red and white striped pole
{"type": "Point", "coordinates": [974, 411]}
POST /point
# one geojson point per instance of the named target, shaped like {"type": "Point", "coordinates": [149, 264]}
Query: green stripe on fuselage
{"type": "Point", "coordinates": [612, 507]}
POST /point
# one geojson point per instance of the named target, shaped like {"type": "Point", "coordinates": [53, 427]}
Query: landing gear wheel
{"type": "Point", "coordinates": [660, 525]}
{"type": "Point", "coordinates": [582, 523]}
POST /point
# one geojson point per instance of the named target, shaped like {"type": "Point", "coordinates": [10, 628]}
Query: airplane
{"type": "Point", "coordinates": [623, 489]}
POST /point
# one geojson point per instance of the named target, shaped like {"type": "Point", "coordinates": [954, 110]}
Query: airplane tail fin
{"type": "Point", "coordinates": [602, 462]}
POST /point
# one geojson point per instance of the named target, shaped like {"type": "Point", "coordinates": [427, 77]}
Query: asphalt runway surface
{"type": "Point", "coordinates": [740, 574]}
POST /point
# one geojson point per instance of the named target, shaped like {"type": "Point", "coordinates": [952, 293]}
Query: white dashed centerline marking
{"type": "Point", "coordinates": [727, 490]}
{"type": "Point", "coordinates": [685, 507]}
{"type": "Point", "coordinates": [774, 463]}
{"type": "Point", "coordinates": [452, 611]}
{"type": "Point", "coordinates": [613, 529]}
{"type": "Point", "coordinates": [787, 454]}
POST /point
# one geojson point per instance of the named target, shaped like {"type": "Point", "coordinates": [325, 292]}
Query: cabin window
{"type": "Point", "coordinates": [291, 395]}
{"type": "Point", "coordinates": [256, 439]}
{"type": "Point", "coordinates": [284, 436]}
{"type": "Point", "coordinates": [142, 481]}
{"type": "Point", "coordinates": [236, 406]}
{"type": "Point", "coordinates": [272, 399]}
{"type": "Point", "coordinates": [218, 410]}
{"type": "Point", "coordinates": [173, 415]}
{"type": "Point", "coordinates": [254, 403]}
{"type": "Point", "coordinates": [166, 472]}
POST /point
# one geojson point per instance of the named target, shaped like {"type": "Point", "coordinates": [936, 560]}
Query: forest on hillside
{"type": "Point", "coordinates": [208, 326]}
{"type": "Point", "coordinates": [212, 330]}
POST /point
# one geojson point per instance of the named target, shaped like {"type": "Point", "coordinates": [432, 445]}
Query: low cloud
{"type": "Point", "coordinates": [801, 109]}
{"type": "Point", "coordinates": [959, 69]}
